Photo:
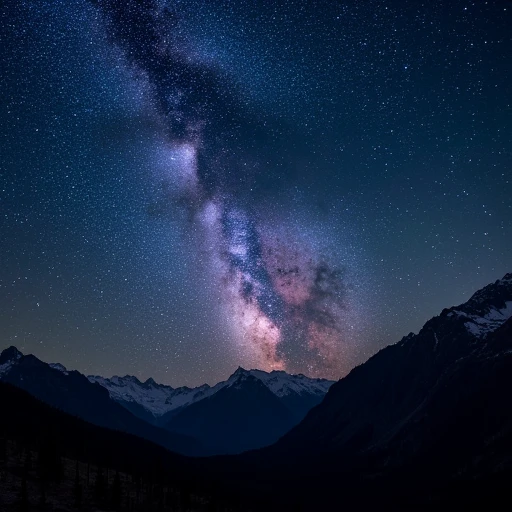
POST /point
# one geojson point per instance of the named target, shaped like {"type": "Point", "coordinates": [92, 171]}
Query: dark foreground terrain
{"type": "Point", "coordinates": [425, 424]}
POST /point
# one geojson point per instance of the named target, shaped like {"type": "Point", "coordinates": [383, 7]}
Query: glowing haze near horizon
{"type": "Point", "coordinates": [190, 186]}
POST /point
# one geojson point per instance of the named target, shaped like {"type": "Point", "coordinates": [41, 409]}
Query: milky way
{"type": "Point", "coordinates": [280, 294]}
{"type": "Point", "coordinates": [189, 186]}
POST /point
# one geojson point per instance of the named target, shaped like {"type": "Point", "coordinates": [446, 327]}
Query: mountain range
{"type": "Point", "coordinates": [249, 410]}
{"type": "Point", "coordinates": [74, 394]}
{"type": "Point", "coordinates": [424, 423]}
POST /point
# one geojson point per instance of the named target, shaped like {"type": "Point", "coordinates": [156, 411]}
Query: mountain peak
{"type": "Point", "coordinates": [487, 309]}
{"type": "Point", "coordinates": [240, 371]}
{"type": "Point", "coordinates": [493, 290]}
{"type": "Point", "coordinates": [393, 414]}
{"type": "Point", "coordinates": [129, 378]}
{"type": "Point", "coordinates": [239, 376]}
{"type": "Point", "coordinates": [10, 354]}
{"type": "Point", "coordinates": [58, 366]}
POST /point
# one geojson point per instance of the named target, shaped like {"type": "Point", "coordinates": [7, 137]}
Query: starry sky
{"type": "Point", "coordinates": [190, 186]}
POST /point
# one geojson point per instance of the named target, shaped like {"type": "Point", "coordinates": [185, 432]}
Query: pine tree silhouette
{"type": "Point", "coordinates": [185, 499]}
{"type": "Point", "coordinates": [28, 460]}
{"type": "Point", "coordinates": [3, 449]}
{"type": "Point", "coordinates": [49, 463]}
{"type": "Point", "coordinates": [24, 505]}
{"type": "Point", "coordinates": [77, 490]}
{"type": "Point", "coordinates": [117, 493]}
{"type": "Point", "coordinates": [100, 487]}
{"type": "Point", "coordinates": [42, 494]}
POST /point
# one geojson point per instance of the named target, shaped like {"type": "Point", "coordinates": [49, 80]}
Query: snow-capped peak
{"type": "Point", "coordinates": [280, 383]}
{"type": "Point", "coordinates": [238, 380]}
{"type": "Point", "coordinates": [160, 399]}
{"type": "Point", "coordinates": [239, 372]}
{"type": "Point", "coordinates": [59, 367]}
{"type": "Point", "coordinates": [481, 326]}
{"type": "Point", "coordinates": [10, 354]}
{"type": "Point", "coordinates": [8, 358]}
{"type": "Point", "coordinates": [156, 398]}
{"type": "Point", "coordinates": [488, 308]}
{"type": "Point", "coordinates": [495, 291]}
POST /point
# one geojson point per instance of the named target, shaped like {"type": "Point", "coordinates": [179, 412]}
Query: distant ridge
{"type": "Point", "coordinates": [72, 392]}
{"type": "Point", "coordinates": [160, 413]}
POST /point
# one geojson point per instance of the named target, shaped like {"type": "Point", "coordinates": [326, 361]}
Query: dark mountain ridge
{"type": "Point", "coordinates": [74, 394]}
{"type": "Point", "coordinates": [249, 410]}
{"type": "Point", "coordinates": [423, 423]}
{"type": "Point", "coordinates": [369, 406]}
{"type": "Point", "coordinates": [243, 415]}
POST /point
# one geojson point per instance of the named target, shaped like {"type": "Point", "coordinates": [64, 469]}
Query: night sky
{"type": "Point", "coordinates": [189, 186]}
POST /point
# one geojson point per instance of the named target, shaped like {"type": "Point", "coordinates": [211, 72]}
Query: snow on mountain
{"type": "Point", "coordinates": [481, 326]}
{"type": "Point", "coordinates": [487, 309]}
{"type": "Point", "coordinates": [4, 368]}
{"type": "Point", "coordinates": [59, 367]}
{"type": "Point", "coordinates": [394, 402]}
{"type": "Point", "coordinates": [160, 399]}
{"type": "Point", "coordinates": [482, 314]}
{"type": "Point", "coordinates": [282, 383]}
{"type": "Point", "coordinates": [12, 355]}
{"type": "Point", "coordinates": [74, 394]}
{"type": "Point", "coordinates": [8, 359]}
